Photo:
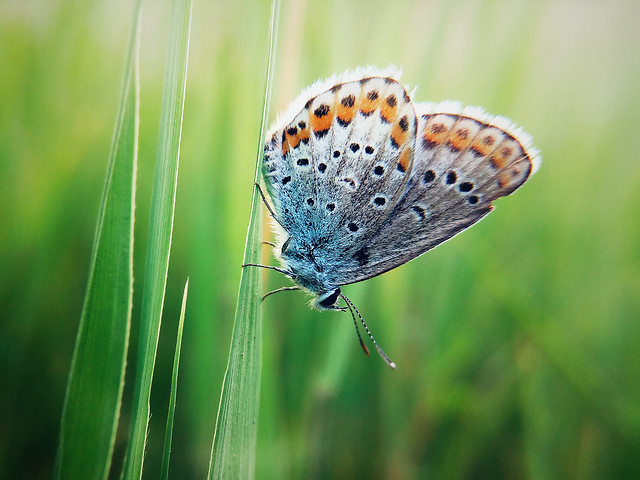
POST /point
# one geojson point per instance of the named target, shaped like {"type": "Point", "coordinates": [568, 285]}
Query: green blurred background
{"type": "Point", "coordinates": [517, 343]}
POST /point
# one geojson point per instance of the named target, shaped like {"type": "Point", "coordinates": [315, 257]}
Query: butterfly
{"type": "Point", "coordinates": [362, 179]}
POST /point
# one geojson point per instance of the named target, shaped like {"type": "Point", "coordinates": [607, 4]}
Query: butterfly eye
{"type": "Point", "coordinates": [285, 245]}
{"type": "Point", "coordinates": [330, 299]}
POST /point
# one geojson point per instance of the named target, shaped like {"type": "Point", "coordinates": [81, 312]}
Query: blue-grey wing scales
{"type": "Point", "coordinates": [338, 169]}
{"type": "Point", "coordinates": [464, 160]}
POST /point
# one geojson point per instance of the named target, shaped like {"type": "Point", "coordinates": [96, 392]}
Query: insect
{"type": "Point", "coordinates": [362, 180]}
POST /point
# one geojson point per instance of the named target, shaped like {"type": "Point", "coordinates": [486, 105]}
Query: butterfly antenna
{"type": "Point", "coordinates": [355, 323]}
{"type": "Point", "coordinates": [353, 308]}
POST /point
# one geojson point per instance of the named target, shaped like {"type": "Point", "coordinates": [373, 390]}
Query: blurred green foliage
{"type": "Point", "coordinates": [516, 342]}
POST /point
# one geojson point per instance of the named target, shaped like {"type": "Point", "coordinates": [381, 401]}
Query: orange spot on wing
{"type": "Point", "coordinates": [389, 108]}
{"type": "Point", "coordinates": [515, 174]}
{"type": "Point", "coordinates": [346, 109]}
{"type": "Point", "coordinates": [321, 118]}
{"type": "Point", "coordinates": [486, 141]}
{"type": "Point", "coordinates": [505, 153]}
{"type": "Point", "coordinates": [398, 135]}
{"type": "Point", "coordinates": [304, 135]}
{"type": "Point", "coordinates": [293, 140]}
{"type": "Point", "coordinates": [461, 137]}
{"type": "Point", "coordinates": [369, 101]}
{"type": "Point", "coordinates": [504, 179]}
{"type": "Point", "coordinates": [436, 131]}
{"type": "Point", "coordinates": [405, 159]}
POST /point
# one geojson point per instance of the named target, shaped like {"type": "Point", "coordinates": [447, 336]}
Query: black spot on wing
{"type": "Point", "coordinates": [362, 256]}
{"type": "Point", "coordinates": [321, 111]}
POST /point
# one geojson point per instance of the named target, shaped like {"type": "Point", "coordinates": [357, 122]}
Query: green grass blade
{"type": "Point", "coordinates": [174, 388]}
{"type": "Point", "coordinates": [160, 230]}
{"type": "Point", "coordinates": [234, 444]}
{"type": "Point", "coordinates": [96, 380]}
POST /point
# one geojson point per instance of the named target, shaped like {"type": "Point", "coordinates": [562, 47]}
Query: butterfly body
{"type": "Point", "coordinates": [308, 263]}
{"type": "Point", "coordinates": [362, 179]}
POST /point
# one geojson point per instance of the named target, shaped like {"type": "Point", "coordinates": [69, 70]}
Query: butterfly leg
{"type": "Point", "coordinates": [281, 270]}
{"type": "Point", "coordinates": [281, 289]}
{"type": "Point", "coordinates": [266, 204]}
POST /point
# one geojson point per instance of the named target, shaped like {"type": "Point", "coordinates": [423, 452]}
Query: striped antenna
{"type": "Point", "coordinates": [353, 308]}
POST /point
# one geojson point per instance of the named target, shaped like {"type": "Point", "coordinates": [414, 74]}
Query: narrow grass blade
{"type": "Point", "coordinates": [96, 380]}
{"type": "Point", "coordinates": [234, 444]}
{"type": "Point", "coordinates": [160, 230]}
{"type": "Point", "coordinates": [174, 388]}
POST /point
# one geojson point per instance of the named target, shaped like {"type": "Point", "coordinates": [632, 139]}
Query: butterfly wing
{"type": "Point", "coordinates": [289, 174]}
{"type": "Point", "coordinates": [341, 165]}
{"type": "Point", "coordinates": [370, 154]}
{"type": "Point", "coordinates": [464, 160]}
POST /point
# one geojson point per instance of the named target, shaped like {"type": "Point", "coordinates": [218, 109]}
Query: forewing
{"type": "Point", "coordinates": [369, 154]}
{"type": "Point", "coordinates": [336, 170]}
{"type": "Point", "coordinates": [464, 160]}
